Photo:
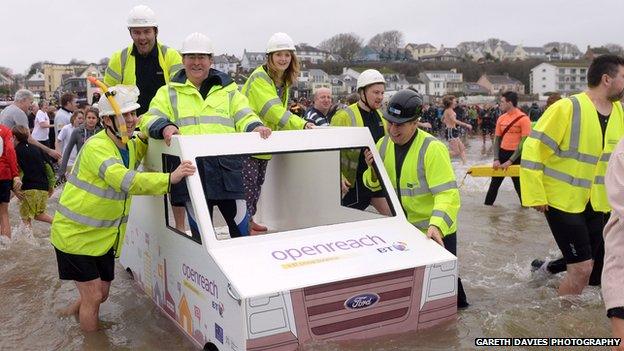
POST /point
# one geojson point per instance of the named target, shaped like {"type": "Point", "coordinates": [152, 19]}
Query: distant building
{"type": "Point", "coordinates": [251, 60]}
{"type": "Point", "coordinates": [396, 81]}
{"type": "Point", "coordinates": [443, 55]}
{"type": "Point", "coordinates": [564, 77]}
{"type": "Point", "coordinates": [418, 50]}
{"type": "Point", "coordinates": [36, 83]}
{"type": "Point", "coordinates": [436, 81]}
{"type": "Point", "coordinates": [307, 53]}
{"type": "Point", "coordinates": [54, 73]}
{"type": "Point", "coordinates": [368, 53]}
{"type": "Point", "coordinates": [592, 53]}
{"type": "Point", "coordinates": [467, 88]}
{"type": "Point", "coordinates": [500, 84]}
{"type": "Point", "coordinates": [416, 83]}
{"type": "Point", "coordinates": [226, 63]}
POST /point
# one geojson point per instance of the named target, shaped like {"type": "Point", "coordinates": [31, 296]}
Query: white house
{"type": "Point", "coordinates": [418, 50]}
{"type": "Point", "coordinates": [436, 81]}
{"type": "Point", "coordinates": [251, 60]}
{"type": "Point", "coordinates": [311, 54]}
{"type": "Point", "coordinates": [559, 76]}
{"type": "Point", "coordinates": [226, 63]}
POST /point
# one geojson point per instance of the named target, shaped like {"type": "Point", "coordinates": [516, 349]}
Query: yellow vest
{"type": "Point", "coordinates": [225, 109]}
{"type": "Point", "coordinates": [121, 66]}
{"type": "Point", "coordinates": [563, 161]}
{"type": "Point", "coordinates": [94, 206]}
{"type": "Point", "coordinates": [428, 189]}
{"type": "Point", "coordinates": [351, 117]}
{"type": "Point", "coordinates": [272, 109]}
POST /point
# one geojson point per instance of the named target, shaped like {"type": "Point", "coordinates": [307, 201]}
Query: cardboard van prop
{"type": "Point", "coordinates": [323, 272]}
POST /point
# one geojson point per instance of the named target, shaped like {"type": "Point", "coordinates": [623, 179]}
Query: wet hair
{"type": "Point", "coordinates": [67, 98]}
{"type": "Point", "coordinates": [21, 133]}
{"type": "Point", "coordinates": [74, 115]}
{"type": "Point", "coordinates": [447, 100]}
{"type": "Point", "coordinates": [604, 64]}
{"type": "Point", "coordinates": [290, 75]}
{"type": "Point", "coordinates": [512, 97]}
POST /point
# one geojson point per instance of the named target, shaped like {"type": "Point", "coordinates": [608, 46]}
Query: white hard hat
{"type": "Point", "coordinates": [126, 97]}
{"type": "Point", "coordinates": [141, 16]}
{"type": "Point", "coordinates": [197, 43]}
{"type": "Point", "coordinates": [280, 41]}
{"type": "Point", "coordinates": [368, 77]}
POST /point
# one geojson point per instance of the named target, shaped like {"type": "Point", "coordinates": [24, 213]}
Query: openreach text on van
{"type": "Point", "coordinates": [340, 245]}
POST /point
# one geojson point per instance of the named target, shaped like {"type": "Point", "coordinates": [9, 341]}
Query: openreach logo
{"type": "Point", "coordinates": [296, 253]}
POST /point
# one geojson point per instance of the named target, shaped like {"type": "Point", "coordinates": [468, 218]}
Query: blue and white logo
{"type": "Point", "coordinates": [219, 333]}
{"type": "Point", "coordinates": [361, 301]}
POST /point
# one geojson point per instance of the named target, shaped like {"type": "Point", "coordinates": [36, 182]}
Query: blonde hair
{"type": "Point", "coordinates": [290, 75]}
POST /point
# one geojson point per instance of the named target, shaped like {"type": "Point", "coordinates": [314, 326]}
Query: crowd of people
{"type": "Point", "coordinates": [161, 92]}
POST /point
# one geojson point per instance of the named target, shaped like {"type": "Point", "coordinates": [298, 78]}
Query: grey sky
{"type": "Point", "coordinates": [58, 31]}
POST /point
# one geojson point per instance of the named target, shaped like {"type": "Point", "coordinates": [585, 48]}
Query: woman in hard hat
{"type": "Point", "coordinates": [88, 228]}
{"type": "Point", "coordinates": [364, 113]}
{"type": "Point", "coordinates": [267, 90]}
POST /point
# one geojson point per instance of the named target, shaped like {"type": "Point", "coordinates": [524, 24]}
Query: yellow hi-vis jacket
{"type": "Point", "coordinates": [225, 109]}
{"type": "Point", "coordinates": [563, 160]}
{"type": "Point", "coordinates": [428, 189]}
{"type": "Point", "coordinates": [93, 209]}
{"type": "Point", "coordinates": [121, 66]}
{"type": "Point", "coordinates": [272, 109]}
{"type": "Point", "coordinates": [351, 117]}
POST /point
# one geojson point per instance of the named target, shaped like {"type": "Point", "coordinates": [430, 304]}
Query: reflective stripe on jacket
{"type": "Point", "coordinates": [121, 66]}
{"type": "Point", "coordinates": [351, 117]}
{"type": "Point", "coordinates": [95, 203]}
{"type": "Point", "coordinates": [428, 189]}
{"type": "Point", "coordinates": [224, 110]}
{"type": "Point", "coordinates": [272, 109]}
{"type": "Point", "coordinates": [563, 160]}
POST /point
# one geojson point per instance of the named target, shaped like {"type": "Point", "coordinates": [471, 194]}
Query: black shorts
{"type": "Point", "coordinates": [5, 190]}
{"type": "Point", "coordinates": [452, 133]}
{"type": "Point", "coordinates": [578, 235]}
{"type": "Point", "coordinates": [82, 268]}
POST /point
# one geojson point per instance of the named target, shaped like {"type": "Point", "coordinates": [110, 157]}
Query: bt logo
{"type": "Point", "coordinates": [396, 246]}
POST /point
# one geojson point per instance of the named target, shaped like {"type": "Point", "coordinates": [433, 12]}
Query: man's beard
{"type": "Point", "coordinates": [617, 97]}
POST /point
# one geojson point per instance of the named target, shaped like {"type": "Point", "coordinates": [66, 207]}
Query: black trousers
{"type": "Point", "coordinates": [503, 156]}
{"type": "Point", "coordinates": [450, 243]}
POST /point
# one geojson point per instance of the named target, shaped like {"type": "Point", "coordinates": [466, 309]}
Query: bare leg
{"type": "Point", "coordinates": [576, 278]}
{"type": "Point", "coordinates": [5, 225]}
{"type": "Point", "coordinates": [381, 205]}
{"type": "Point", "coordinates": [105, 289]}
{"type": "Point", "coordinates": [71, 309]}
{"type": "Point", "coordinates": [454, 147]}
{"type": "Point", "coordinates": [462, 151]}
{"type": "Point", "coordinates": [179, 214]}
{"type": "Point", "coordinates": [90, 300]}
{"type": "Point", "coordinates": [44, 217]}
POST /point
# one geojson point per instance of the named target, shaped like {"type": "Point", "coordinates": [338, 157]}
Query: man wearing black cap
{"type": "Point", "coordinates": [420, 169]}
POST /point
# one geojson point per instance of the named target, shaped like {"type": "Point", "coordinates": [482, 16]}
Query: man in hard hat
{"type": "Point", "coordinates": [200, 100]}
{"type": "Point", "coordinates": [420, 170]}
{"type": "Point", "coordinates": [88, 228]}
{"type": "Point", "coordinates": [146, 63]}
{"type": "Point", "coordinates": [563, 166]}
{"type": "Point", "coordinates": [365, 113]}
